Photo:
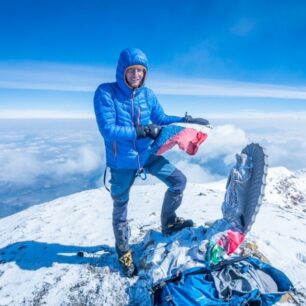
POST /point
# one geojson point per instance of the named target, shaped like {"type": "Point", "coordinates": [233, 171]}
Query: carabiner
{"type": "Point", "coordinates": [142, 174]}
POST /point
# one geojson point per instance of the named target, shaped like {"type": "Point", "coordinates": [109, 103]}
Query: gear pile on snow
{"type": "Point", "coordinates": [201, 266]}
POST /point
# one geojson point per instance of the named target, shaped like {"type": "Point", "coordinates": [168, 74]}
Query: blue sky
{"type": "Point", "coordinates": [239, 64]}
{"type": "Point", "coordinates": [205, 56]}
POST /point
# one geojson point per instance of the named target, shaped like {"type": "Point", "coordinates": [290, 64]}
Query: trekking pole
{"type": "Point", "coordinates": [293, 293]}
{"type": "Point", "coordinates": [220, 265]}
{"type": "Point", "coordinates": [224, 263]}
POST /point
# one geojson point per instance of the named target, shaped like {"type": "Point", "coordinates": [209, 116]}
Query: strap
{"type": "Point", "coordinates": [104, 179]}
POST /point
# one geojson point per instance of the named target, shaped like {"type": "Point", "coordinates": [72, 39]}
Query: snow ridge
{"type": "Point", "coordinates": [62, 252]}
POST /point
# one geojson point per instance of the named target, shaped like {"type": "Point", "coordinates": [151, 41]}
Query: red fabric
{"type": "Point", "coordinates": [231, 241]}
{"type": "Point", "coordinates": [188, 140]}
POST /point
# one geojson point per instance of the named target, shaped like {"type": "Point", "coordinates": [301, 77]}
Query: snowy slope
{"type": "Point", "coordinates": [286, 188]}
{"type": "Point", "coordinates": [39, 262]}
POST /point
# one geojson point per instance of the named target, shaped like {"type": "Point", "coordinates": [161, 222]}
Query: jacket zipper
{"type": "Point", "coordinates": [115, 149]}
{"type": "Point", "coordinates": [140, 168]}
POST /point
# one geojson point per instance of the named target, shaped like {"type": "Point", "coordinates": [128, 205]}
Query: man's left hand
{"type": "Point", "coordinates": [201, 121]}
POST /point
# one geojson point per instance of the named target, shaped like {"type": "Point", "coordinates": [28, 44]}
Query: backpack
{"type": "Point", "coordinates": [203, 286]}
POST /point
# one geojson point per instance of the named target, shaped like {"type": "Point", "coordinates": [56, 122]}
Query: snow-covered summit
{"type": "Point", "coordinates": [286, 188]}
{"type": "Point", "coordinates": [62, 252]}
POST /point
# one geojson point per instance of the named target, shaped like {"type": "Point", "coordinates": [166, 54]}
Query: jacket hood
{"type": "Point", "coordinates": [129, 57]}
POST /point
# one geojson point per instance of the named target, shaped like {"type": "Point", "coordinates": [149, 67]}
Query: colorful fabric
{"type": "Point", "coordinates": [187, 139]}
{"type": "Point", "coordinates": [221, 244]}
{"type": "Point", "coordinates": [230, 241]}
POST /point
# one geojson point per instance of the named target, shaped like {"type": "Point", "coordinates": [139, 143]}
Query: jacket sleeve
{"type": "Point", "coordinates": [158, 115]}
{"type": "Point", "coordinates": [105, 111]}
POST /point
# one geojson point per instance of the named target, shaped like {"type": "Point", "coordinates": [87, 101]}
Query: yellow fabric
{"type": "Point", "coordinates": [127, 259]}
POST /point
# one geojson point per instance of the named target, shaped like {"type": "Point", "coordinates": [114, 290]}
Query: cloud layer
{"type": "Point", "coordinates": [26, 158]}
{"type": "Point", "coordinates": [38, 156]}
{"type": "Point", "coordinates": [50, 159]}
{"type": "Point", "coordinates": [64, 77]}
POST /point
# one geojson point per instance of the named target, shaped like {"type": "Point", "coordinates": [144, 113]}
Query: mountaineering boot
{"type": "Point", "coordinates": [127, 263]}
{"type": "Point", "coordinates": [177, 225]}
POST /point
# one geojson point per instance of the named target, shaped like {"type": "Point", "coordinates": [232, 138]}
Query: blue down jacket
{"type": "Point", "coordinates": [119, 108]}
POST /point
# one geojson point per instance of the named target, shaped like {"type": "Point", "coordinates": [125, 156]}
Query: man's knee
{"type": "Point", "coordinates": [119, 212]}
{"type": "Point", "coordinates": [177, 181]}
{"type": "Point", "coordinates": [119, 199]}
{"type": "Point", "coordinates": [121, 182]}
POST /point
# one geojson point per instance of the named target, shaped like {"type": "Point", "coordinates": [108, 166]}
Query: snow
{"type": "Point", "coordinates": [286, 188]}
{"type": "Point", "coordinates": [39, 262]}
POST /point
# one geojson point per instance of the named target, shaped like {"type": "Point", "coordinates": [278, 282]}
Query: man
{"type": "Point", "coordinates": [129, 118]}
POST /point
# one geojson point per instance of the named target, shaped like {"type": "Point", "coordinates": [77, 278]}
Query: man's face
{"type": "Point", "coordinates": [134, 76]}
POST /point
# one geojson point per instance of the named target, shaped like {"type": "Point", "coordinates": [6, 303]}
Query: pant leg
{"type": "Point", "coordinates": [176, 182]}
{"type": "Point", "coordinates": [121, 182]}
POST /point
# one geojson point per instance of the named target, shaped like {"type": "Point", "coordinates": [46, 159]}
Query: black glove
{"type": "Point", "coordinates": [142, 131]}
{"type": "Point", "coordinates": [151, 130]}
{"type": "Point", "coordinates": [189, 119]}
{"type": "Point", "coordinates": [154, 130]}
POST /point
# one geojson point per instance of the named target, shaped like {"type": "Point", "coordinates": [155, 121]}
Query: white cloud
{"type": "Point", "coordinates": [43, 114]}
{"type": "Point", "coordinates": [213, 157]}
{"type": "Point", "coordinates": [195, 173]}
{"type": "Point", "coordinates": [62, 114]}
{"type": "Point", "coordinates": [85, 160]}
{"type": "Point", "coordinates": [53, 76]}
{"type": "Point", "coordinates": [223, 141]}
{"type": "Point", "coordinates": [20, 167]}
{"type": "Point", "coordinates": [249, 115]}
{"type": "Point", "coordinates": [70, 155]}
{"type": "Point", "coordinates": [217, 88]}
{"type": "Point", "coordinates": [285, 146]}
{"type": "Point", "coordinates": [24, 163]}
{"type": "Point", "coordinates": [284, 150]}
{"type": "Point", "coordinates": [64, 77]}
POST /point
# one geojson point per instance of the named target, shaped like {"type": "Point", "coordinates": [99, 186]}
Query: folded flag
{"type": "Point", "coordinates": [188, 139]}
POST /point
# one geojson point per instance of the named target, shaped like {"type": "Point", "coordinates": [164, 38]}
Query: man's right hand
{"type": "Point", "coordinates": [154, 130]}
{"type": "Point", "coordinates": [151, 130]}
{"type": "Point", "coordinates": [142, 131]}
